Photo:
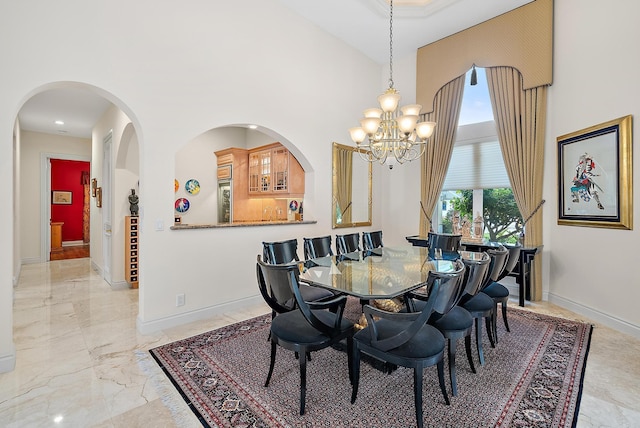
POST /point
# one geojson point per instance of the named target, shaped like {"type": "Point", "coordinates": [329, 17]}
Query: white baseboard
{"type": "Point", "coordinates": [596, 315]}
{"type": "Point", "coordinates": [120, 285]}
{"type": "Point", "coordinates": [31, 260]}
{"type": "Point", "coordinates": [97, 268]}
{"type": "Point", "coordinates": [72, 243]}
{"type": "Point", "coordinates": [148, 327]}
{"type": "Point", "coordinates": [8, 362]}
{"type": "Point", "coordinates": [591, 313]}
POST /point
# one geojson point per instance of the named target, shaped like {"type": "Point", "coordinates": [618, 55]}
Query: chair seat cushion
{"type": "Point", "coordinates": [495, 289]}
{"type": "Point", "coordinates": [426, 343]}
{"type": "Point", "coordinates": [294, 327]}
{"type": "Point", "coordinates": [479, 303]}
{"type": "Point", "coordinates": [457, 318]}
{"type": "Point", "coordinates": [310, 293]}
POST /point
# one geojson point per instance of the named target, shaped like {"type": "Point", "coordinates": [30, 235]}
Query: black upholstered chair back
{"type": "Point", "coordinates": [475, 274]}
{"type": "Point", "coordinates": [512, 260]}
{"type": "Point", "coordinates": [317, 247]}
{"type": "Point", "coordinates": [372, 240]}
{"type": "Point", "coordinates": [348, 243]}
{"type": "Point", "coordinates": [445, 241]}
{"type": "Point", "coordinates": [274, 287]}
{"type": "Point", "coordinates": [449, 290]}
{"type": "Point", "coordinates": [498, 257]}
{"type": "Point", "coordinates": [280, 252]}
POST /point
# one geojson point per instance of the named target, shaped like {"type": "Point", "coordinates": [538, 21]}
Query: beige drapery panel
{"type": "Point", "coordinates": [520, 117]}
{"type": "Point", "coordinates": [344, 167]}
{"type": "Point", "coordinates": [435, 160]}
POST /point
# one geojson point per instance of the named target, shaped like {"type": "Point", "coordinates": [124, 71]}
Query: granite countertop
{"type": "Point", "coordinates": [185, 226]}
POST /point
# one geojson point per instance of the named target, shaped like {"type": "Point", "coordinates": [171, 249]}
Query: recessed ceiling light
{"type": "Point", "coordinates": [59, 122]}
{"type": "Point", "coordinates": [252, 126]}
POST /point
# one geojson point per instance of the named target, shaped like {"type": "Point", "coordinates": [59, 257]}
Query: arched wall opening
{"type": "Point", "coordinates": [197, 162]}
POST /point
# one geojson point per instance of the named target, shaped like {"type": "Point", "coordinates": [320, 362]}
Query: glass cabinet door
{"type": "Point", "coordinates": [280, 163]}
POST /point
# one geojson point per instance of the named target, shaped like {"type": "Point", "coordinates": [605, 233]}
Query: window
{"type": "Point", "coordinates": [477, 177]}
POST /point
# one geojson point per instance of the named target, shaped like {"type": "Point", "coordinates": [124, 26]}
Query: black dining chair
{"type": "Point", "coordinates": [448, 243]}
{"type": "Point", "coordinates": [372, 240]}
{"type": "Point", "coordinates": [458, 323]}
{"type": "Point", "coordinates": [348, 243]}
{"type": "Point", "coordinates": [498, 292]}
{"type": "Point", "coordinates": [280, 252]}
{"type": "Point", "coordinates": [480, 305]}
{"type": "Point", "coordinates": [455, 322]}
{"type": "Point", "coordinates": [283, 252]}
{"type": "Point", "coordinates": [310, 327]}
{"type": "Point", "coordinates": [317, 247]}
{"type": "Point", "coordinates": [405, 339]}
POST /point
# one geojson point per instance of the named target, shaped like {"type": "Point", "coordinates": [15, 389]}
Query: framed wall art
{"type": "Point", "coordinates": [61, 197]}
{"type": "Point", "coordinates": [595, 178]}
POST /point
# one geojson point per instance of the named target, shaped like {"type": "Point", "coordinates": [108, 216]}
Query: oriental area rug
{"type": "Point", "coordinates": [532, 378]}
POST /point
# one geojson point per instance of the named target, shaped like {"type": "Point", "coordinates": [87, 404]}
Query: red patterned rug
{"type": "Point", "coordinates": [533, 378]}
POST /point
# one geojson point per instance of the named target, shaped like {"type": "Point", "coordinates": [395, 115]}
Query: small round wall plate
{"type": "Point", "coordinates": [182, 205]}
{"type": "Point", "coordinates": [293, 205]}
{"type": "Point", "coordinates": [192, 186]}
{"type": "Point", "coordinates": [176, 185]}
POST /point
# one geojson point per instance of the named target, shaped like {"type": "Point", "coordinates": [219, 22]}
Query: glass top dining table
{"type": "Point", "coordinates": [382, 273]}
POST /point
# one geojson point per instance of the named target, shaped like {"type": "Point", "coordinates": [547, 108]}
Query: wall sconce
{"type": "Point", "coordinates": [94, 186]}
{"type": "Point", "coordinates": [99, 197]}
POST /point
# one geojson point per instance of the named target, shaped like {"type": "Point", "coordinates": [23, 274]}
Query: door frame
{"type": "Point", "coordinates": [45, 198]}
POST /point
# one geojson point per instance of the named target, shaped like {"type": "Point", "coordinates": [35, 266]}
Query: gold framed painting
{"type": "Point", "coordinates": [61, 197]}
{"type": "Point", "coordinates": [595, 176]}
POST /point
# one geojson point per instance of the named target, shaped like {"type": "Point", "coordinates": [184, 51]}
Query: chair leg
{"type": "Point", "coordinates": [350, 358]}
{"type": "Point", "coordinates": [494, 321]}
{"type": "Point", "coordinates": [467, 345]}
{"type": "Point", "coordinates": [355, 361]}
{"type": "Point", "coordinates": [417, 392]}
{"type": "Point", "coordinates": [443, 388]}
{"type": "Point", "coordinates": [479, 340]}
{"type": "Point", "coordinates": [504, 315]}
{"type": "Point", "coordinates": [303, 382]}
{"type": "Point", "coordinates": [273, 362]}
{"type": "Point", "coordinates": [489, 324]}
{"type": "Point", "coordinates": [452, 367]}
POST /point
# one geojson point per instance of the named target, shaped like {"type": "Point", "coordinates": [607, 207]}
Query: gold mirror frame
{"type": "Point", "coordinates": [354, 213]}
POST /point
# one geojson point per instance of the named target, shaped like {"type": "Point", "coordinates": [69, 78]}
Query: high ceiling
{"type": "Point", "coordinates": [363, 24]}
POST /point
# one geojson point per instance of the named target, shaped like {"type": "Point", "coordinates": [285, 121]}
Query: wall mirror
{"type": "Point", "coordinates": [351, 188]}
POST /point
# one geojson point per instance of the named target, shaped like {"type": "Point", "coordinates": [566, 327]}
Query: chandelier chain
{"type": "Point", "coordinates": [391, 45]}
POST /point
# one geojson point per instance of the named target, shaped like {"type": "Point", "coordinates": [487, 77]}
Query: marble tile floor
{"type": "Point", "coordinates": [81, 362]}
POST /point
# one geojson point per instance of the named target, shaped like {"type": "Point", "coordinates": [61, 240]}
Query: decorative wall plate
{"type": "Point", "coordinates": [176, 185]}
{"type": "Point", "coordinates": [182, 205]}
{"type": "Point", "coordinates": [192, 186]}
{"type": "Point", "coordinates": [293, 205]}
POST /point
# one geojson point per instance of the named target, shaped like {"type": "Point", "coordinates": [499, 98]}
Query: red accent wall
{"type": "Point", "coordinates": [67, 175]}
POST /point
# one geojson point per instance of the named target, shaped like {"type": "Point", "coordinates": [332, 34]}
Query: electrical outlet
{"type": "Point", "coordinates": [180, 299]}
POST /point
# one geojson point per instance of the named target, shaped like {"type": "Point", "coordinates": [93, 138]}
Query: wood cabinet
{"type": "Point", "coordinates": [131, 249]}
{"type": "Point", "coordinates": [232, 168]}
{"type": "Point", "coordinates": [273, 171]}
{"type": "Point", "coordinates": [56, 236]}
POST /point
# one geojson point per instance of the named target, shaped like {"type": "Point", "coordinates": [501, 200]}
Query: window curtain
{"type": "Point", "coordinates": [435, 160]}
{"type": "Point", "coordinates": [344, 169]}
{"type": "Point", "coordinates": [520, 117]}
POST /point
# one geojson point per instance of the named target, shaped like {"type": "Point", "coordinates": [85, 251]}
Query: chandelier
{"type": "Point", "coordinates": [388, 132]}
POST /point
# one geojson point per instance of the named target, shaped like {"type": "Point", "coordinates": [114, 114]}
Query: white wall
{"type": "Point", "coordinates": [177, 71]}
{"type": "Point", "coordinates": [595, 80]}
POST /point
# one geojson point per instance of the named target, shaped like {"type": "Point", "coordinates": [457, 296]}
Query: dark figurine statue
{"type": "Point", "coordinates": [133, 202]}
